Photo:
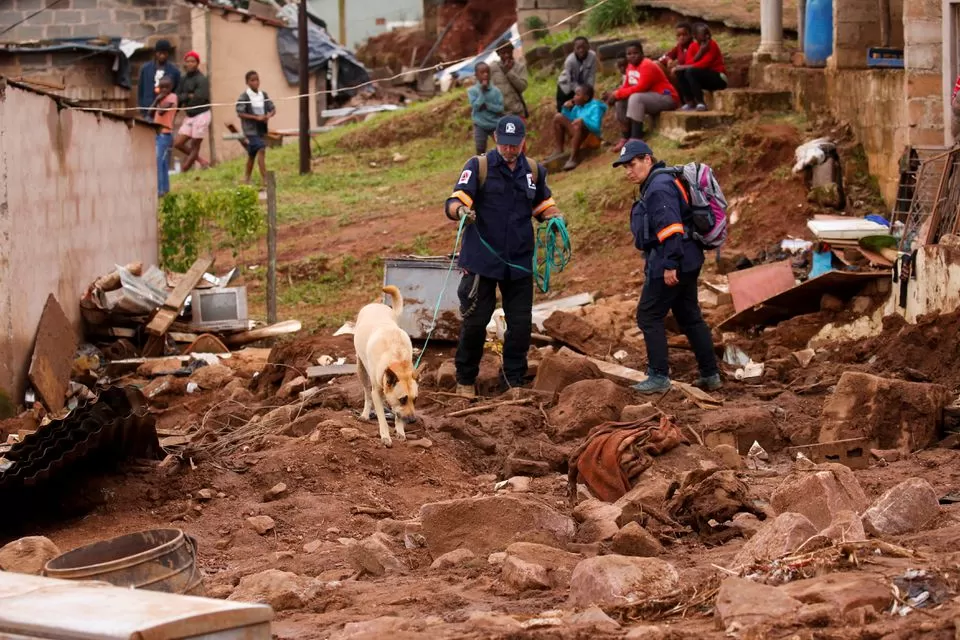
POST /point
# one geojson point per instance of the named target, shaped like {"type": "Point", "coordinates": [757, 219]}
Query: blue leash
{"type": "Point", "coordinates": [554, 257]}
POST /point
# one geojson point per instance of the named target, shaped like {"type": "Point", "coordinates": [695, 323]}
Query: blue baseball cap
{"type": "Point", "coordinates": [633, 149]}
{"type": "Point", "coordinates": [510, 130]}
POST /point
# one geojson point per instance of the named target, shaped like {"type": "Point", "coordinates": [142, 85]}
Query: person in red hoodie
{"type": "Point", "coordinates": [645, 91]}
{"type": "Point", "coordinates": [704, 70]}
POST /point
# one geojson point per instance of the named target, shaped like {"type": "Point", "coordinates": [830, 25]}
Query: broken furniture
{"type": "Point", "coordinates": [94, 610]}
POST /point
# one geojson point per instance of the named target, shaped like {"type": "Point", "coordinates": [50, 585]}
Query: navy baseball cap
{"type": "Point", "coordinates": [633, 149]}
{"type": "Point", "coordinates": [510, 130]}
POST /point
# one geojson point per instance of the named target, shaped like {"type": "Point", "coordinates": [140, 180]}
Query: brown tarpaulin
{"type": "Point", "coordinates": [615, 453]}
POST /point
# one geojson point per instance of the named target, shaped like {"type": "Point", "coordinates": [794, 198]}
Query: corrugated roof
{"type": "Point", "coordinates": [66, 103]}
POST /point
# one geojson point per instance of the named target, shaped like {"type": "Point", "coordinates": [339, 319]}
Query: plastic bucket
{"type": "Point", "coordinates": [156, 560]}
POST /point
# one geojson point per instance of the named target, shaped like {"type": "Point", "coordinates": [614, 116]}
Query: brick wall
{"type": "Point", "coordinates": [924, 65]}
{"type": "Point", "coordinates": [135, 19]}
{"type": "Point", "coordinates": [78, 195]}
{"type": "Point", "coordinates": [856, 26]}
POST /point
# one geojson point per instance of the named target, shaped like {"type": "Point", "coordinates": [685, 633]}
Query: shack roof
{"type": "Point", "coordinates": [65, 103]}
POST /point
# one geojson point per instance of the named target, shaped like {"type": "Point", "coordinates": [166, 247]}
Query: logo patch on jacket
{"type": "Point", "coordinates": [465, 176]}
{"type": "Point", "coordinates": [530, 183]}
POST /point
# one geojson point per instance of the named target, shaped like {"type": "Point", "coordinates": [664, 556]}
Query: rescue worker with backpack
{"type": "Point", "coordinates": [497, 196]}
{"type": "Point", "coordinates": [679, 213]}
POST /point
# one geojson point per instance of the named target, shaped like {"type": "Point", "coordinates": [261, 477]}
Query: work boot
{"type": "Point", "coordinates": [653, 384]}
{"type": "Point", "coordinates": [620, 144]}
{"type": "Point", "coordinates": [468, 391]}
{"type": "Point", "coordinates": [708, 383]}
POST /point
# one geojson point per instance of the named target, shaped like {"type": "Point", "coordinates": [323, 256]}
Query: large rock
{"type": "Point", "coordinates": [453, 559]}
{"type": "Point", "coordinates": [373, 555]}
{"type": "Point", "coordinates": [846, 527]}
{"type": "Point", "coordinates": [28, 555]}
{"type": "Point", "coordinates": [585, 404]}
{"type": "Point", "coordinates": [280, 589]}
{"type": "Point", "coordinates": [820, 494]}
{"type": "Point", "coordinates": [558, 565]}
{"type": "Point", "coordinates": [559, 370]}
{"type": "Point", "coordinates": [520, 575]}
{"type": "Point", "coordinates": [906, 508]}
{"type": "Point", "coordinates": [778, 538]}
{"type": "Point", "coordinates": [740, 427]}
{"type": "Point", "coordinates": [846, 590]}
{"type": "Point", "coordinates": [212, 376]}
{"type": "Point", "coordinates": [895, 413]}
{"type": "Point", "coordinates": [492, 523]}
{"type": "Point", "coordinates": [598, 520]}
{"type": "Point", "coordinates": [578, 333]}
{"type": "Point", "coordinates": [634, 540]}
{"type": "Point", "coordinates": [747, 603]}
{"type": "Point", "coordinates": [612, 580]}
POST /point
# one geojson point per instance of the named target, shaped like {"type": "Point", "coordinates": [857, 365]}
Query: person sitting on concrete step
{"type": "Point", "coordinates": [581, 120]}
{"type": "Point", "coordinates": [704, 71]}
{"type": "Point", "coordinates": [645, 91]}
{"type": "Point", "coordinates": [673, 259]}
{"type": "Point", "coordinates": [579, 68]}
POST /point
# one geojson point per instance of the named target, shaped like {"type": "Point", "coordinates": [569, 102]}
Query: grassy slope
{"type": "Point", "coordinates": [360, 205]}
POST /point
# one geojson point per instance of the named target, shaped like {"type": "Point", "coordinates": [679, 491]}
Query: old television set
{"type": "Point", "coordinates": [220, 309]}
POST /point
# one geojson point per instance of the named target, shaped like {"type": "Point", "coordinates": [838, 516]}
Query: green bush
{"type": "Point", "coordinates": [537, 26]}
{"type": "Point", "coordinates": [609, 14]}
{"type": "Point", "coordinates": [189, 220]}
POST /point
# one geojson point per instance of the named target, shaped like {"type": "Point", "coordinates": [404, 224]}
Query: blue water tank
{"type": "Point", "coordinates": [818, 33]}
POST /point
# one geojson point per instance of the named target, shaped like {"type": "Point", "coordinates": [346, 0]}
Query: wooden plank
{"type": "Point", "coordinates": [331, 371]}
{"type": "Point", "coordinates": [750, 287]}
{"type": "Point", "coordinates": [174, 303]}
{"type": "Point", "coordinates": [631, 376]}
{"type": "Point", "coordinates": [698, 396]}
{"type": "Point", "coordinates": [271, 331]}
{"type": "Point", "coordinates": [53, 353]}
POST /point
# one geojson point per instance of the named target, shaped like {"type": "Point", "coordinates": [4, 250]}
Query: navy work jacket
{"type": "Point", "coordinates": [505, 206]}
{"type": "Point", "coordinates": [656, 221]}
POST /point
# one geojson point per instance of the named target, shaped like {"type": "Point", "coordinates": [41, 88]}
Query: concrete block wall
{"type": "Point", "coordinates": [856, 26]}
{"type": "Point", "coordinates": [136, 19]}
{"type": "Point", "coordinates": [922, 22]}
{"type": "Point", "coordinates": [78, 195]}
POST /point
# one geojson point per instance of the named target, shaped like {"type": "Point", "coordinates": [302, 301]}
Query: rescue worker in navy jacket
{"type": "Point", "coordinates": [673, 260]}
{"type": "Point", "coordinates": [498, 251]}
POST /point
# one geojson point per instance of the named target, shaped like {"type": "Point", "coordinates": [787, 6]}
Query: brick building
{"type": "Point", "coordinates": [892, 110]}
{"type": "Point", "coordinates": [37, 51]}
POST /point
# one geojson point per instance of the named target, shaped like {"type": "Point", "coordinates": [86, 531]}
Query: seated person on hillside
{"type": "Point", "coordinates": [955, 108]}
{"type": "Point", "coordinates": [645, 91]}
{"type": "Point", "coordinates": [678, 55]}
{"type": "Point", "coordinates": [579, 68]}
{"type": "Point", "coordinates": [486, 105]}
{"type": "Point", "coordinates": [704, 70]}
{"type": "Point", "coordinates": [581, 120]}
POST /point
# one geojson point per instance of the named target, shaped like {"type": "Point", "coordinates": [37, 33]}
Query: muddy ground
{"type": "Point", "coordinates": [343, 486]}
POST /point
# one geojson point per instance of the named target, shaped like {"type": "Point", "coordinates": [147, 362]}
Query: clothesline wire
{"type": "Point", "coordinates": [436, 67]}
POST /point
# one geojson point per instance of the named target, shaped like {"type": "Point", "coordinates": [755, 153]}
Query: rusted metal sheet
{"type": "Point", "coordinates": [752, 286]}
{"type": "Point", "coordinates": [420, 281]}
{"type": "Point", "coordinates": [96, 610]}
{"type": "Point", "coordinates": [53, 354]}
{"type": "Point", "coordinates": [803, 298]}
